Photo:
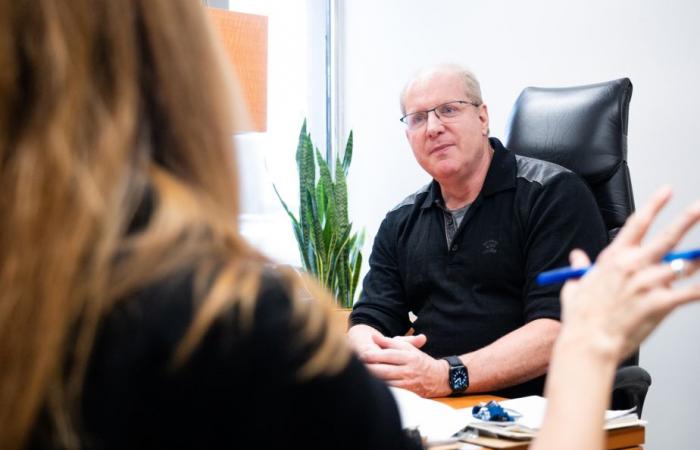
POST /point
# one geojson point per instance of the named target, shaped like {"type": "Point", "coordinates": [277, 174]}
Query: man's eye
{"type": "Point", "coordinates": [448, 109]}
{"type": "Point", "coordinates": [418, 118]}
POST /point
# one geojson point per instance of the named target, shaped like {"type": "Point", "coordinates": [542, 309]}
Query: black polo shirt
{"type": "Point", "coordinates": [527, 218]}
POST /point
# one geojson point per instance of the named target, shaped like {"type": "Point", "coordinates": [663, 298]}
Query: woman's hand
{"type": "Point", "coordinates": [629, 290]}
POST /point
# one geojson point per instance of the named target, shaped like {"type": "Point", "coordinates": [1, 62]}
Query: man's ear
{"type": "Point", "coordinates": [484, 118]}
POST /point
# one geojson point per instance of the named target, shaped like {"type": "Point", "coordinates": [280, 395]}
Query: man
{"type": "Point", "coordinates": [463, 252]}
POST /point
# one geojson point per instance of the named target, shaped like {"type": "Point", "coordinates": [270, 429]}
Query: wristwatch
{"type": "Point", "coordinates": [459, 376]}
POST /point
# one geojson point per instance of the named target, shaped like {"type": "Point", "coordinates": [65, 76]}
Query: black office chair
{"type": "Point", "coordinates": [584, 128]}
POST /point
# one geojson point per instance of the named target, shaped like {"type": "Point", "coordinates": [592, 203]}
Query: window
{"type": "Point", "coordinates": [296, 90]}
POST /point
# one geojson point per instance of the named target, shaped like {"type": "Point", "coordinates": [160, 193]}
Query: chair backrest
{"type": "Point", "coordinates": [583, 128]}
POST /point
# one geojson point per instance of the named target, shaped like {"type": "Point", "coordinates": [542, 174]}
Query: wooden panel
{"type": "Point", "coordinates": [244, 36]}
{"type": "Point", "coordinates": [625, 437]}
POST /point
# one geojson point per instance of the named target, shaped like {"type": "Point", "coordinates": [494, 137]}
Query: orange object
{"type": "Point", "coordinates": [244, 37]}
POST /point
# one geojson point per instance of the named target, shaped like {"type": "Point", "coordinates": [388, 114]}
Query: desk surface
{"type": "Point", "coordinates": [624, 438]}
{"type": "Point", "coordinates": [466, 401]}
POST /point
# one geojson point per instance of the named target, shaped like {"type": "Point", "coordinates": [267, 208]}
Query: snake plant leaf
{"type": "Point", "coordinates": [322, 203]}
{"type": "Point", "coordinates": [339, 241]}
{"type": "Point", "coordinates": [328, 226]}
{"type": "Point", "coordinates": [340, 264]}
{"type": "Point", "coordinates": [355, 274]}
{"type": "Point", "coordinates": [355, 262]}
{"type": "Point", "coordinates": [341, 217]}
{"type": "Point", "coordinates": [307, 177]}
{"type": "Point", "coordinates": [342, 281]}
{"type": "Point", "coordinates": [327, 279]}
{"type": "Point", "coordinates": [357, 245]}
{"type": "Point", "coordinates": [316, 234]}
{"type": "Point", "coordinates": [326, 181]}
{"type": "Point", "coordinates": [300, 145]}
{"type": "Point", "coordinates": [324, 172]}
{"type": "Point", "coordinates": [300, 165]}
{"type": "Point", "coordinates": [347, 156]}
{"type": "Point", "coordinates": [310, 243]}
{"type": "Point", "coordinates": [296, 226]}
{"type": "Point", "coordinates": [308, 168]}
{"type": "Point", "coordinates": [284, 205]}
{"type": "Point", "coordinates": [340, 190]}
{"type": "Point", "coordinates": [328, 248]}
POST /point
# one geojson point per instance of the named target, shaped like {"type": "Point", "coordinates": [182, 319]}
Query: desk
{"type": "Point", "coordinates": [630, 438]}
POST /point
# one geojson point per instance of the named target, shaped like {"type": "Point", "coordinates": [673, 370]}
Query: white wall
{"type": "Point", "coordinates": [513, 44]}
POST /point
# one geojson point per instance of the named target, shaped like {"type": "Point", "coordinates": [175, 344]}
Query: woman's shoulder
{"type": "Point", "coordinates": [156, 317]}
{"type": "Point", "coordinates": [241, 385]}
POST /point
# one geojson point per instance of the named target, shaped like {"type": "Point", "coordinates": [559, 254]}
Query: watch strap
{"type": "Point", "coordinates": [453, 361]}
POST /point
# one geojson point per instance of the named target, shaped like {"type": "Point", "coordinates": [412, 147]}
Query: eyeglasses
{"type": "Point", "coordinates": [446, 113]}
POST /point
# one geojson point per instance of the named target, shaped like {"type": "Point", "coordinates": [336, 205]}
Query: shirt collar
{"type": "Point", "coordinates": [500, 176]}
{"type": "Point", "coordinates": [502, 171]}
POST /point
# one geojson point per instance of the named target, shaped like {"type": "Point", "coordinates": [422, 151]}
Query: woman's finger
{"type": "Point", "coordinates": [578, 258]}
{"type": "Point", "coordinates": [638, 223]}
{"type": "Point", "coordinates": [651, 277]}
{"type": "Point", "coordinates": [664, 241]}
{"type": "Point", "coordinates": [680, 295]}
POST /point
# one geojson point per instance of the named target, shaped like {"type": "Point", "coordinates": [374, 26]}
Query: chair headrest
{"type": "Point", "coordinates": [583, 128]}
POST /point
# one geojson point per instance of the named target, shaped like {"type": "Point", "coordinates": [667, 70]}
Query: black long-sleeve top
{"type": "Point", "coordinates": [239, 389]}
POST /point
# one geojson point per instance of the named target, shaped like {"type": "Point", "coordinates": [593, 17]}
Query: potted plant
{"type": "Point", "coordinates": [327, 246]}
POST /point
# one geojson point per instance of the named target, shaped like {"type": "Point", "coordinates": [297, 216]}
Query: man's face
{"type": "Point", "coordinates": [445, 150]}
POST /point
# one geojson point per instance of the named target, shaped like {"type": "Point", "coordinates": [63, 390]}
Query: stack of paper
{"type": "Point", "coordinates": [438, 422]}
{"type": "Point", "coordinates": [435, 421]}
{"type": "Point", "coordinates": [533, 409]}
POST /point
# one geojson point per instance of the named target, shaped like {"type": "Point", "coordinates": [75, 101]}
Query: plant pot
{"type": "Point", "coordinates": [342, 315]}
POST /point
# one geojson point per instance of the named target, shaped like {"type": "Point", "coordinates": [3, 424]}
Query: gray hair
{"type": "Point", "coordinates": [472, 88]}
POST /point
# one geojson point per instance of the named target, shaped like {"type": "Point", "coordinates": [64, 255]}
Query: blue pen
{"type": "Point", "coordinates": [565, 273]}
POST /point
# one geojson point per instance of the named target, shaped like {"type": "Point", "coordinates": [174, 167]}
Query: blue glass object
{"type": "Point", "coordinates": [493, 412]}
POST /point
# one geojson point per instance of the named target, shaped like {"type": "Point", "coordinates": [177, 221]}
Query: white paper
{"type": "Point", "coordinates": [438, 422]}
{"type": "Point", "coordinates": [533, 409]}
{"type": "Point", "coordinates": [435, 421]}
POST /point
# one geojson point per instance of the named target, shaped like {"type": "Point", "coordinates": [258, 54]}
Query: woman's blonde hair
{"type": "Point", "coordinates": [106, 106]}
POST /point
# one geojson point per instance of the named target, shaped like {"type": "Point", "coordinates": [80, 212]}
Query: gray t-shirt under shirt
{"type": "Point", "coordinates": [453, 217]}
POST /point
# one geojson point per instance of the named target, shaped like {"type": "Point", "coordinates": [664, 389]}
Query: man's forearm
{"type": "Point", "coordinates": [519, 356]}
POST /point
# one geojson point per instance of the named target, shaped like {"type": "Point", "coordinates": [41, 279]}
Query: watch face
{"type": "Point", "coordinates": [458, 378]}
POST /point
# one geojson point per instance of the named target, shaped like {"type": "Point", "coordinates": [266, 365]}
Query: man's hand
{"type": "Point", "coordinates": [360, 338]}
{"type": "Point", "coordinates": [400, 362]}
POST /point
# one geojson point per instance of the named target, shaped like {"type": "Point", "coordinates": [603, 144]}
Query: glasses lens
{"type": "Point", "coordinates": [444, 112]}
{"type": "Point", "coordinates": [450, 110]}
{"type": "Point", "coordinates": [416, 120]}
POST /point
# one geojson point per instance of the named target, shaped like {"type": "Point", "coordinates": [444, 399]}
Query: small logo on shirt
{"type": "Point", "coordinates": [489, 247]}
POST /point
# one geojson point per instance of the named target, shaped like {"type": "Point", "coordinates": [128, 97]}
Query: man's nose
{"type": "Point", "coordinates": [434, 125]}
